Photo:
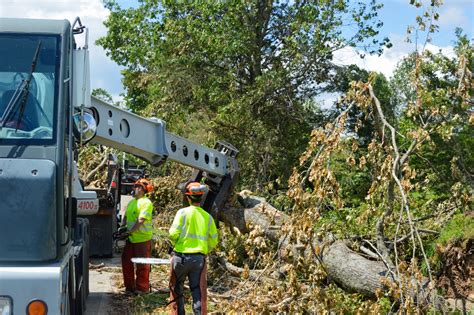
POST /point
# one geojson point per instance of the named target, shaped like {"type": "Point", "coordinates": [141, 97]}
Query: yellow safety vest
{"type": "Point", "coordinates": [140, 208]}
{"type": "Point", "coordinates": [193, 231]}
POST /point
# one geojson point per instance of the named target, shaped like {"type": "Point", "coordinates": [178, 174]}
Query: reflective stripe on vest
{"type": "Point", "coordinates": [146, 226]}
{"type": "Point", "coordinates": [195, 236]}
{"type": "Point", "coordinates": [183, 224]}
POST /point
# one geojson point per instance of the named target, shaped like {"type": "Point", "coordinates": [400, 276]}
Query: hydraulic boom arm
{"type": "Point", "coordinates": [148, 139]}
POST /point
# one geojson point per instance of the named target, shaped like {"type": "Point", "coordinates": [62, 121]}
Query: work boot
{"type": "Point", "coordinates": [129, 291]}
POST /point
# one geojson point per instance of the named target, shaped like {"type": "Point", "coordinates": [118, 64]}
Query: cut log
{"type": "Point", "coordinates": [353, 272]}
{"type": "Point", "coordinates": [256, 211]}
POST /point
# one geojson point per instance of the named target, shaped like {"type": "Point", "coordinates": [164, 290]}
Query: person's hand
{"type": "Point", "coordinates": [122, 229]}
{"type": "Point", "coordinates": [170, 248]}
{"type": "Point", "coordinates": [121, 234]}
{"type": "Point", "coordinates": [124, 235]}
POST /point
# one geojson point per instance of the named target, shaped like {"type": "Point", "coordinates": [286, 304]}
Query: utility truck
{"type": "Point", "coordinates": [46, 114]}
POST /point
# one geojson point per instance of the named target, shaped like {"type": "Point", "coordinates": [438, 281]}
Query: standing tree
{"type": "Point", "coordinates": [247, 69]}
{"type": "Point", "coordinates": [103, 95]}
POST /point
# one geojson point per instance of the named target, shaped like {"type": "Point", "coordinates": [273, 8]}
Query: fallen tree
{"type": "Point", "coordinates": [347, 268]}
{"type": "Point", "coordinates": [255, 211]}
{"type": "Point", "coordinates": [344, 266]}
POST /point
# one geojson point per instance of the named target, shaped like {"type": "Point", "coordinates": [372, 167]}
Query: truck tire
{"type": "Point", "coordinates": [81, 242]}
{"type": "Point", "coordinates": [85, 260]}
{"type": "Point", "coordinates": [80, 302]}
{"type": "Point", "coordinates": [75, 305]}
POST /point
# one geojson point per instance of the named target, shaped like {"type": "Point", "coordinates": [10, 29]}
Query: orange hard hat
{"type": "Point", "coordinates": [195, 189]}
{"type": "Point", "coordinates": [145, 183]}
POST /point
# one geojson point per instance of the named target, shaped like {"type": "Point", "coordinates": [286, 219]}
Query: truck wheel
{"type": "Point", "coordinates": [85, 261]}
{"type": "Point", "coordinates": [82, 266]}
{"type": "Point", "coordinates": [75, 305]}
{"type": "Point", "coordinates": [80, 302]}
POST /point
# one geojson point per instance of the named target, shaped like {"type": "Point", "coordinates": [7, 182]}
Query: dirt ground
{"type": "Point", "coordinates": [107, 294]}
{"type": "Point", "coordinates": [105, 297]}
{"type": "Point", "coordinates": [457, 274]}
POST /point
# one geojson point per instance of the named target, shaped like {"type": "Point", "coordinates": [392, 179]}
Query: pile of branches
{"type": "Point", "coordinates": [292, 262]}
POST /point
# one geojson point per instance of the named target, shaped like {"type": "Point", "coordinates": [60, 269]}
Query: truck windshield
{"type": "Point", "coordinates": [28, 87]}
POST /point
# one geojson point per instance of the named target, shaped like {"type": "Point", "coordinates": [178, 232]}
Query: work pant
{"type": "Point", "coordinates": [194, 267]}
{"type": "Point", "coordinates": [142, 280]}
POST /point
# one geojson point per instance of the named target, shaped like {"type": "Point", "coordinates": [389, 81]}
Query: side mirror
{"type": "Point", "coordinates": [85, 126]}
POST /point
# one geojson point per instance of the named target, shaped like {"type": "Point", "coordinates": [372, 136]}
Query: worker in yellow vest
{"type": "Point", "coordinates": [193, 235]}
{"type": "Point", "coordinates": [138, 220]}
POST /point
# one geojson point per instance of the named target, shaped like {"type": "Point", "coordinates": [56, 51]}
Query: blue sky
{"type": "Point", "coordinates": [396, 15]}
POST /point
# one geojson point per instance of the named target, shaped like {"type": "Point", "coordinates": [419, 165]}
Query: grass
{"type": "Point", "coordinates": [461, 226]}
{"type": "Point", "coordinates": [156, 302]}
{"type": "Point", "coordinates": [153, 303]}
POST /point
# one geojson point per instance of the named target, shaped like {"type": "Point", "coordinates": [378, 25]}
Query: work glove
{"type": "Point", "coordinates": [170, 247]}
{"type": "Point", "coordinates": [121, 234]}
{"type": "Point", "coordinates": [122, 229]}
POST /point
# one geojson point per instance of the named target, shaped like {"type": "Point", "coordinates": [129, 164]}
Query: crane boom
{"type": "Point", "coordinates": [148, 139]}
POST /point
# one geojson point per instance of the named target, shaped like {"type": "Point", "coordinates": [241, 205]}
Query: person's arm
{"type": "Point", "coordinates": [146, 211]}
{"type": "Point", "coordinates": [137, 224]}
{"type": "Point", "coordinates": [176, 228]}
{"type": "Point", "coordinates": [213, 236]}
{"type": "Point", "coordinates": [123, 224]}
{"type": "Point", "coordinates": [124, 216]}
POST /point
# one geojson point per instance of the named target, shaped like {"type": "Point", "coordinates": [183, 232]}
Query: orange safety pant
{"type": "Point", "coordinates": [142, 280]}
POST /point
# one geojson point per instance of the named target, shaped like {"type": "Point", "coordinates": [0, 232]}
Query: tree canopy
{"type": "Point", "coordinates": [249, 69]}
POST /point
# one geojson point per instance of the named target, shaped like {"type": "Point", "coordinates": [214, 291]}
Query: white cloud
{"type": "Point", "coordinates": [387, 62]}
{"type": "Point", "coordinates": [104, 72]}
{"type": "Point", "coordinates": [454, 15]}
{"type": "Point", "coordinates": [327, 100]}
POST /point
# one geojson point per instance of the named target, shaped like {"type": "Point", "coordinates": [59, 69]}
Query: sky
{"type": "Point", "coordinates": [396, 15]}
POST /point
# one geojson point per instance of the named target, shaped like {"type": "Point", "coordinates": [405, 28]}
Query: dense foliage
{"type": "Point", "coordinates": [412, 179]}
{"type": "Point", "coordinates": [388, 169]}
{"type": "Point", "coordinates": [244, 72]}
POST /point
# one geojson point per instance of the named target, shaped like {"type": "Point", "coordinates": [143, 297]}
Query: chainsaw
{"type": "Point", "coordinates": [121, 233]}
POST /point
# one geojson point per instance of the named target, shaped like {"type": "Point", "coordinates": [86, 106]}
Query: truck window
{"type": "Point", "coordinates": [27, 110]}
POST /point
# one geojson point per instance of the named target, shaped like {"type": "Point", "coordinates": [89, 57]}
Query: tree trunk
{"type": "Point", "coordinates": [256, 211]}
{"type": "Point", "coordinates": [352, 271]}
{"type": "Point", "coordinates": [345, 267]}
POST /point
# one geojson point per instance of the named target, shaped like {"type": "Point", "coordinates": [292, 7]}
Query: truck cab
{"type": "Point", "coordinates": [36, 157]}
